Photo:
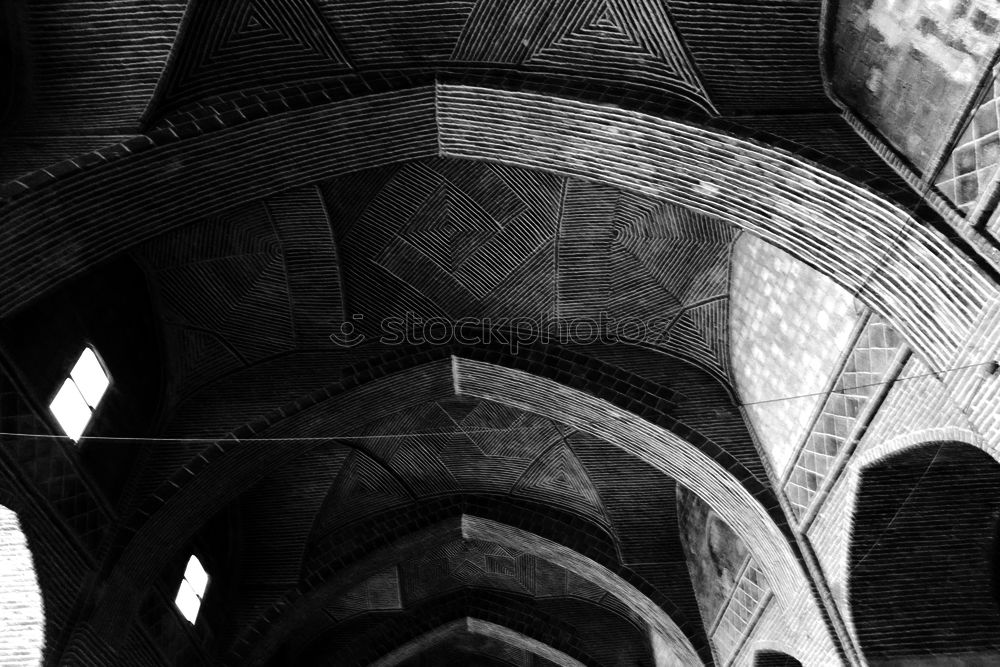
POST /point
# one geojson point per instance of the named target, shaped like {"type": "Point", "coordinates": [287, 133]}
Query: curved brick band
{"type": "Point", "coordinates": [277, 622]}
{"type": "Point", "coordinates": [475, 626]}
{"type": "Point", "coordinates": [860, 238]}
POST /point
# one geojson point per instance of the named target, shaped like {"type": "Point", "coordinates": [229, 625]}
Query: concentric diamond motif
{"type": "Point", "coordinates": [449, 228]}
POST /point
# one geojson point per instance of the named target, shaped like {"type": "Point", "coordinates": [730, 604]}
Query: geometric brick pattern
{"type": "Point", "coordinates": [970, 168]}
{"type": "Point", "coordinates": [453, 238]}
{"type": "Point", "coordinates": [790, 326]}
{"type": "Point", "coordinates": [463, 446]}
{"type": "Point", "coordinates": [734, 623]}
{"type": "Point", "coordinates": [240, 255]}
{"type": "Point", "coordinates": [366, 394]}
{"type": "Point", "coordinates": [866, 368]}
{"type": "Point", "coordinates": [377, 593]}
{"type": "Point", "coordinates": [605, 39]}
{"type": "Point", "coordinates": [229, 45]}
{"type": "Point", "coordinates": [470, 231]}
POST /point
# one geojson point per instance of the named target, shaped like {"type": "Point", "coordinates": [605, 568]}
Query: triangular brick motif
{"type": "Point", "coordinates": [611, 37]}
{"type": "Point", "coordinates": [605, 20]}
{"type": "Point", "coordinates": [558, 476]}
{"type": "Point", "coordinates": [231, 45]}
{"type": "Point", "coordinates": [252, 22]}
{"type": "Point", "coordinates": [361, 488]}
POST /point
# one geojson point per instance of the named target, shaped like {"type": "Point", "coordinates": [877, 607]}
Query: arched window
{"type": "Point", "coordinates": [21, 616]}
{"type": "Point", "coordinates": [923, 557]}
{"type": "Point", "coordinates": [774, 659]}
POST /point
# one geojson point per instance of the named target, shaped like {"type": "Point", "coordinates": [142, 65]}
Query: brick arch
{"type": "Point", "coordinates": [917, 514]}
{"type": "Point", "coordinates": [877, 251]}
{"type": "Point", "coordinates": [340, 547]}
{"type": "Point", "coordinates": [639, 423]}
{"type": "Point", "coordinates": [509, 610]}
{"type": "Point", "coordinates": [449, 631]}
{"type": "Point", "coordinates": [572, 546]}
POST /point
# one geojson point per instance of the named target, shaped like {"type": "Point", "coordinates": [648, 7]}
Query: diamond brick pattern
{"type": "Point", "coordinates": [866, 367]}
{"type": "Point", "coordinates": [971, 167]}
{"type": "Point", "coordinates": [750, 594]}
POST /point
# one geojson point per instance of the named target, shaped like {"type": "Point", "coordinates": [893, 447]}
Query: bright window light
{"type": "Point", "coordinates": [90, 378]}
{"type": "Point", "coordinates": [192, 589]}
{"type": "Point", "coordinates": [71, 410]}
{"type": "Point", "coordinates": [80, 393]}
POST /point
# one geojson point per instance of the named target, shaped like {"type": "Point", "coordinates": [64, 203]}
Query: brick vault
{"type": "Point", "coordinates": [499, 332]}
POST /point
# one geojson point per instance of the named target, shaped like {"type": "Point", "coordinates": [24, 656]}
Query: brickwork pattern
{"type": "Point", "coordinates": [908, 68]}
{"type": "Point", "coordinates": [469, 217]}
{"type": "Point", "coordinates": [362, 643]}
{"type": "Point", "coordinates": [914, 411]}
{"type": "Point", "coordinates": [750, 594]}
{"type": "Point", "coordinates": [80, 48]}
{"type": "Point", "coordinates": [430, 526]}
{"type": "Point", "coordinates": [870, 364]}
{"type": "Point", "coordinates": [21, 613]}
{"type": "Point", "coordinates": [400, 142]}
{"type": "Point", "coordinates": [789, 327]}
{"type": "Point", "coordinates": [473, 642]}
{"type": "Point", "coordinates": [970, 169]}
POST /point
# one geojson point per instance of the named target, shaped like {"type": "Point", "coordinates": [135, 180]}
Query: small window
{"type": "Point", "coordinates": [192, 589]}
{"type": "Point", "coordinates": [80, 394]}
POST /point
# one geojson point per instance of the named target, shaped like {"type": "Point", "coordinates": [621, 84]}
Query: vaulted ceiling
{"type": "Point", "coordinates": [450, 332]}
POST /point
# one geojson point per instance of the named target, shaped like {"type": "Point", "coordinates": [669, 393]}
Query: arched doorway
{"type": "Point", "coordinates": [923, 556]}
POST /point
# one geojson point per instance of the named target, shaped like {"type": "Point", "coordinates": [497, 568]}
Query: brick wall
{"type": "Point", "coordinates": [790, 326]}
{"type": "Point", "coordinates": [21, 612]}
{"type": "Point", "coordinates": [909, 67]}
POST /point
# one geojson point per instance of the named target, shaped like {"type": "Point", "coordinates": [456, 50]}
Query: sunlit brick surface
{"type": "Point", "coordinates": [21, 614]}
{"type": "Point", "coordinates": [866, 368]}
{"type": "Point", "coordinates": [790, 325]}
